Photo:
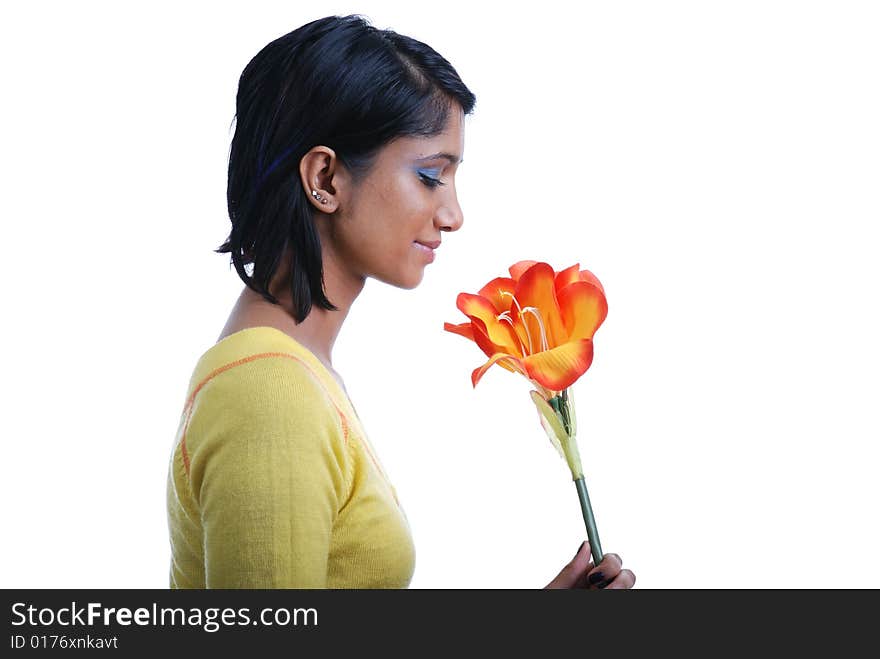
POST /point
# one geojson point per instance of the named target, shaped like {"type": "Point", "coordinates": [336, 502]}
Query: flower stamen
{"type": "Point", "coordinates": [535, 312]}
{"type": "Point", "coordinates": [525, 327]}
{"type": "Point", "coordinates": [515, 301]}
{"type": "Point", "coordinates": [506, 316]}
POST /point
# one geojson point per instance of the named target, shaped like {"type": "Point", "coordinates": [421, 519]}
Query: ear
{"type": "Point", "coordinates": [320, 170]}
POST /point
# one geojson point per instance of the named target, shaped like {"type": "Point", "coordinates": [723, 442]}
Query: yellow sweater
{"type": "Point", "coordinates": [272, 482]}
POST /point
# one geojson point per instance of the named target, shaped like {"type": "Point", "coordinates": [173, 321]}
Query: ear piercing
{"type": "Point", "coordinates": [318, 197]}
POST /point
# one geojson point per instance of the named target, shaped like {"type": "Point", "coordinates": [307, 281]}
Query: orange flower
{"type": "Point", "coordinates": [537, 322]}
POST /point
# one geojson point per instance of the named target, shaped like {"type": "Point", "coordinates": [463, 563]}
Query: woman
{"type": "Point", "coordinates": [342, 167]}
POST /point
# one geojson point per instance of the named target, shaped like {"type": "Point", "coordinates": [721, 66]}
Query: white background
{"type": "Point", "coordinates": [715, 164]}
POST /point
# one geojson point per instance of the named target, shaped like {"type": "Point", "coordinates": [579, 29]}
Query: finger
{"type": "Point", "coordinates": [626, 579]}
{"type": "Point", "coordinates": [604, 573]}
{"type": "Point", "coordinates": [576, 567]}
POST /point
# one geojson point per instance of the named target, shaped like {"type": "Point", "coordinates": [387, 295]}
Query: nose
{"type": "Point", "coordinates": [449, 217]}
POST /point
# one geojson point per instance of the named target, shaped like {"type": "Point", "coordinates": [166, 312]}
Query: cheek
{"type": "Point", "coordinates": [405, 210]}
{"type": "Point", "coordinates": [414, 209]}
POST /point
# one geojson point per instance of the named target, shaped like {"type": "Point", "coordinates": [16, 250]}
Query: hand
{"type": "Point", "coordinates": [581, 573]}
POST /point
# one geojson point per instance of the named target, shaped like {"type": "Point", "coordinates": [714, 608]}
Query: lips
{"type": "Point", "coordinates": [432, 244]}
{"type": "Point", "coordinates": [425, 250]}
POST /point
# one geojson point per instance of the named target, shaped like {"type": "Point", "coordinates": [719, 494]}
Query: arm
{"type": "Point", "coordinates": [270, 473]}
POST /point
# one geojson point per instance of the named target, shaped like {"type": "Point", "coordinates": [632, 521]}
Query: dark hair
{"type": "Point", "coordinates": [340, 82]}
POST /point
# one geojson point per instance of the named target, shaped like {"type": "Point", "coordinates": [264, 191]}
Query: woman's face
{"type": "Point", "coordinates": [408, 196]}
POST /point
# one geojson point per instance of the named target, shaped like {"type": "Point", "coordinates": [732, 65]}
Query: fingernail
{"type": "Point", "coordinates": [602, 584]}
{"type": "Point", "coordinates": [596, 577]}
{"type": "Point", "coordinates": [579, 548]}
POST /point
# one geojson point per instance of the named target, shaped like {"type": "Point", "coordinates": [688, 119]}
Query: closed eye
{"type": "Point", "coordinates": [430, 181]}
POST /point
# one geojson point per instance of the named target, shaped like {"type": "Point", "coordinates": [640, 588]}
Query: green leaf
{"type": "Point", "coordinates": [550, 422]}
{"type": "Point", "coordinates": [565, 444]}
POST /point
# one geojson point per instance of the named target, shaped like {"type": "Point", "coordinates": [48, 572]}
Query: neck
{"type": "Point", "coordinates": [320, 328]}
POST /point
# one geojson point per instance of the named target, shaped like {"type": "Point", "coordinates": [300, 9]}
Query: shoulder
{"type": "Point", "coordinates": [276, 397]}
{"type": "Point", "coordinates": [256, 414]}
{"type": "Point", "coordinates": [276, 384]}
{"type": "Point", "coordinates": [272, 374]}
{"type": "Point", "coordinates": [260, 363]}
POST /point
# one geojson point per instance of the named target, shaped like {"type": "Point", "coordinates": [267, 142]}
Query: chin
{"type": "Point", "coordinates": [407, 283]}
{"type": "Point", "coordinates": [412, 283]}
{"type": "Point", "coordinates": [412, 280]}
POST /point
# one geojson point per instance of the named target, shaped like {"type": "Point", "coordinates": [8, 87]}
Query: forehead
{"type": "Point", "coordinates": [447, 146]}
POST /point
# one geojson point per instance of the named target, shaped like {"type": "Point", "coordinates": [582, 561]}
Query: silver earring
{"type": "Point", "coordinates": [318, 197]}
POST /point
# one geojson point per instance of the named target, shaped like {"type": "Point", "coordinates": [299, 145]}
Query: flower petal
{"type": "Point", "coordinates": [583, 308]}
{"type": "Point", "coordinates": [493, 292]}
{"type": "Point", "coordinates": [559, 368]}
{"type": "Point", "coordinates": [586, 275]}
{"type": "Point", "coordinates": [518, 268]}
{"type": "Point", "coordinates": [464, 329]}
{"type": "Point", "coordinates": [499, 332]}
{"type": "Point", "coordinates": [509, 361]}
{"type": "Point", "coordinates": [481, 337]}
{"type": "Point", "coordinates": [567, 276]}
{"type": "Point", "coordinates": [536, 288]}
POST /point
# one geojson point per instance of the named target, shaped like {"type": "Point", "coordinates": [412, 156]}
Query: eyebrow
{"type": "Point", "coordinates": [451, 157]}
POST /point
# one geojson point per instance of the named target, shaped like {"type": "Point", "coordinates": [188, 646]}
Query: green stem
{"type": "Point", "coordinates": [560, 406]}
{"type": "Point", "coordinates": [589, 520]}
{"type": "Point", "coordinates": [565, 412]}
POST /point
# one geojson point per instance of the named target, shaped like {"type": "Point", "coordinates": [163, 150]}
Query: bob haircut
{"type": "Point", "coordinates": [339, 82]}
